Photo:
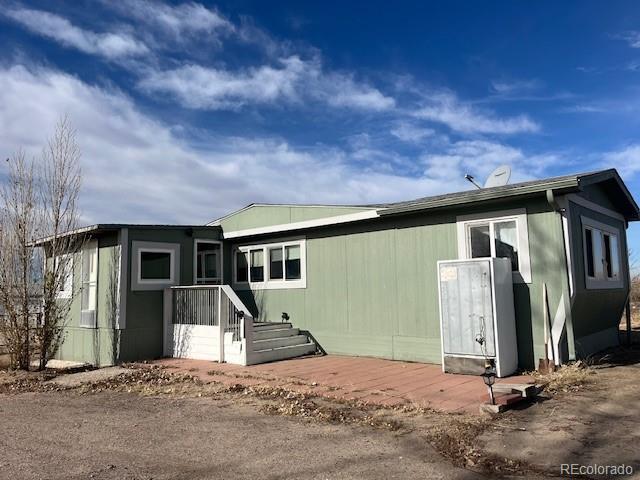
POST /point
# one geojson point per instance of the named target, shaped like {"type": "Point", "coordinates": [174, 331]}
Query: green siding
{"type": "Point", "coordinates": [99, 345]}
{"type": "Point", "coordinates": [266, 215]}
{"type": "Point", "coordinates": [143, 336]}
{"type": "Point", "coordinates": [372, 288]}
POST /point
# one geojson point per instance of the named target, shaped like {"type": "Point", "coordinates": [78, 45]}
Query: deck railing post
{"type": "Point", "coordinates": [221, 323]}
{"type": "Point", "coordinates": [167, 313]}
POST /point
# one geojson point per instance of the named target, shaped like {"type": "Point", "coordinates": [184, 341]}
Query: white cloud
{"type": "Point", "coordinates": [410, 132]}
{"type": "Point", "coordinates": [632, 37]}
{"type": "Point", "coordinates": [292, 80]}
{"type": "Point", "coordinates": [445, 108]}
{"type": "Point", "coordinates": [137, 170]}
{"type": "Point", "coordinates": [479, 158]}
{"type": "Point", "coordinates": [626, 160]}
{"type": "Point", "coordinates": [504, 87]}
{"type": "Point", "coordinates": [109, 45]}
{"type": "Point", "coordinates": [178, 21]}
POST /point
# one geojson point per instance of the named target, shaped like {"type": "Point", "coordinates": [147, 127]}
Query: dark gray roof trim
{"type": "Point", "coordinates": [564, 184]}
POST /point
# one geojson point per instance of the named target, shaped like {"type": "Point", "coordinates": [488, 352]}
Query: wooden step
{"type": "Point", "coordinates": [262, 326]}
{"type": "Point", "coordinates": [268, 343]}
{"type": "Point", "coordinates": [282, 353]}
{"type": "Point", "coordinates": [275, 333]}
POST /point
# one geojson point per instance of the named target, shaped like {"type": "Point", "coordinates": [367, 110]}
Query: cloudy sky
{"type": "Point", "coordinates": [186, 111]}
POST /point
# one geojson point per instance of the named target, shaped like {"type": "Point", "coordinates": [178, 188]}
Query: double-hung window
{"type": "Point", "coordinates": [270, 266]}
{"type": "Point", "coordinates": [601, 245]}
{"type": "Point", "coordinates": [89, 292]}
{"type": "Point", "coordinates": [497, 234]}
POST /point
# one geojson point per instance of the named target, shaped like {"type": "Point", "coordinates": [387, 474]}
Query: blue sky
{"type": "Point", "coordinates": [186, 111]}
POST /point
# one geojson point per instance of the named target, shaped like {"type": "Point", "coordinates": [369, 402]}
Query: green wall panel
{"type": "Point", "coordinates": [266, 215]}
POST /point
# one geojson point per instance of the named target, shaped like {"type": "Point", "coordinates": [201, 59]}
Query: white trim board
{"type": "Point", "coordinates": [319, 222]}
{"type": "Point", "coordinates": [523, 275]}
{"type": "Point", "coordinates": [284, 205]}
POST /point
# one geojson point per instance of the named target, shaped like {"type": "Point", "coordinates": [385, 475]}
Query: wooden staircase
{"type": "Point", "coordinates": [278, 341]}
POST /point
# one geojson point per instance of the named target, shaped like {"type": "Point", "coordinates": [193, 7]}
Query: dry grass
{"type": "Point", "coordinates": [568, 378]}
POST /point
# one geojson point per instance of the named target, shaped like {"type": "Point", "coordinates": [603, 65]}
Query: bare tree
{"type": "Point", "coordinates": [39, 202]}
{"type": "Point", "coordinates": [59, 189]}
{"type": "Point", "coordinates": [19, 225]}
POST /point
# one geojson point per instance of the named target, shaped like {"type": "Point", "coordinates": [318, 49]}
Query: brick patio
{"type": "Point", "coordinates": [371, 380]}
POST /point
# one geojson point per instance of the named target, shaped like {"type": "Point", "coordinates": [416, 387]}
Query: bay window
{"type": "Point", "coordinates": [601, 245]}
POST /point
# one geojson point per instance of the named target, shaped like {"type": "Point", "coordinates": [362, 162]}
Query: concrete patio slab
{"type": "Point", "coordinates": [371, 380]}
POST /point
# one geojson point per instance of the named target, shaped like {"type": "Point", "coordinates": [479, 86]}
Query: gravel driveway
{"type": "Point", "coordinates": [113, 435]}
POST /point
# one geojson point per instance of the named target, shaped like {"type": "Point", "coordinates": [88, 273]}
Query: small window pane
{"type": "Point", "coordinates": [257, 266]}
{"type": "Point", "coordinates": [588, 240]}
{"type": "Point", "coordinates": [292, 262]}
{"type": "Point", "coordinates": [608, 269]}
{"type": "Point", "coordinates": [507, 242]}
{"type": "Point", "coordinates": [208, 261]}
{"type": "Point", "coordinates": [242, 271]}
{"type": "Point", "coordinates": [275, 263]}
{"type": "Point", "coordinates": [155, 265]}
{"type": "Point", "coordinates": [480, 241]}
{"type": "Point", "coordinates": [615, 257]}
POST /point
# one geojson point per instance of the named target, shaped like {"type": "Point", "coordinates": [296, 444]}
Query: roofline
{"type": "Point", "coordinates": [562, 184]}
{"type": "Point", "coordinates": [293, 205]}
{"type": "Point", "coordinates": [112, 227]}
{"type": "Point", "coordinates": [612, 173]}
{"type": "Point", "coordinates": [318, 222]}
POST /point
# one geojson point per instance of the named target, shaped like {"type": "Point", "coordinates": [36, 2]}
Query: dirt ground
{"type": "Point", "coordinates": [149, 423]}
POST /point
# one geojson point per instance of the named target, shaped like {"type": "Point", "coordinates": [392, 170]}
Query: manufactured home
{"type": "Point", "coordinates": [277, 281]}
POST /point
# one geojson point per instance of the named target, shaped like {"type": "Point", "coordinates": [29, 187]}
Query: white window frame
{"type": "Point", "coordinates": [600, 280]}
{"type": "Point", "coordinates": [156, 281]}
{"type": "Point", "coordinates": [207, 280]}
{"type": "Point", "coordinates": [67, 293]}
{"type": "Point", "coordinates": [88, 317]}
{"type": "Point", "coordinates": [519, 215]}
{"type": "Point", "coordinates": [269, 284]}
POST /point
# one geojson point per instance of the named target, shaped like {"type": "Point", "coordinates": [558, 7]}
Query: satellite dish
{"type": "Point", "coordinates": [499, 177]}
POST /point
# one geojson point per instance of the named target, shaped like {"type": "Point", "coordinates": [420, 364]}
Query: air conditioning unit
{"type": "Point", "coordinates": [477, 319]}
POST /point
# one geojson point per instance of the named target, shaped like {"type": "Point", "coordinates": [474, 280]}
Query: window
{"type": "Point", "coordinates": [256, 272]}
{"type": "Point", "coordinates": [497, 234]}
{"type": "Point", "coordinates": [156, 265]}
{"type": "Point", "coordinates": [601, 255]}
{"type": "Point", "coordinates": [89, 275]}
{"type": "Point", "coordinates": [270, 266]}
{"type": "Point", "coordinates": [292, 263]}
{"type": "Point", "coordinates": [65, 263]}
{"type": "Point", "coordinates": [207, 262]}
{"type": "Point", "coordinates": [275, 264]}
{"type": "Point", "coordinates": [242, 267]}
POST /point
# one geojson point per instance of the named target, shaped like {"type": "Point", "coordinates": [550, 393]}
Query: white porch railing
{"type": "Point", "coordinates": [207, 322]}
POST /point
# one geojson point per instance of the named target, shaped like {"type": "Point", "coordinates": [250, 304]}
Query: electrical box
{"type": "Point", "coordinates": [477, 319]}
